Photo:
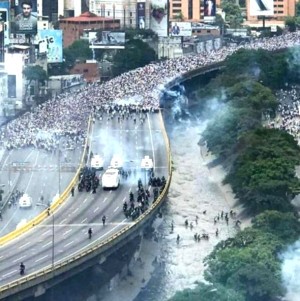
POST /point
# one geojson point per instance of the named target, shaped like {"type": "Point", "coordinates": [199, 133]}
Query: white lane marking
{"type": "Point", "coordinates": [41, 258]}
{"type": "Point", "coordinates": [84, 220]}
{"type": "Point", "coordinates": [76, 210]}
{"type": "Point", "coordinates": [67, 232]}
{"type": "Point", "coordinates": [151, 139]}
{"type": "Point", "coordinates": [84, 201]}
{"type": "Point", "coordinates": [62, 221]}
{"type": "Point", "coordinates": [96, 209]}
{"type": "Point", "coordinates": [87, 224]}
{"type": "Point", "coordinates": [19, 259]}
{"type": "Point", "coordinates": [124, 200]}
{"type": "Point", "coordinates": [104, 200]}
{"type": "Point", "coordinates": [21, 247]}
{"type": "Point", "coordinates": [116, 209]}
{"type": "Point", "coordinates": [47, 244]}
{"type": "Point", "coordinates": [68, 243]}
{"type": "Point", "coordinates": [31, 174]}
{"type": "Point", "coordinates": [14, 271]}
{"type": "Point", "coordinates": [1, 257]}
{"type": "Point", "coordinates": [45, 232]}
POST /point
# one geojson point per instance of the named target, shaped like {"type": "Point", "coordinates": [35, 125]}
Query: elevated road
{"type": "Point", "coordinates": [64, 233]}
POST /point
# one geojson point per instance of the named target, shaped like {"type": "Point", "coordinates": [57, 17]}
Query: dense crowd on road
{"type": "Point", "coordinates": [67, 114]}
{"type": "Point", "coordinates": [288, 112]}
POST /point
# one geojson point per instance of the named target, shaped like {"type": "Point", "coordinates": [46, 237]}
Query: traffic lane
{"type": "Point", "coordinates": [37, 252]}
{"type": "Point", "coordinates": [15, 216]}
{"type": "Point", "coordinates": [86, 234]}
{"type": "Point", "coordinates": [83, 209]}
{"type": "Point", "coordinates": [67, 246]}
{"type": "Point", "coordinates": [89, 208]}
{"type": "Point", "coordinates": [38, 181]}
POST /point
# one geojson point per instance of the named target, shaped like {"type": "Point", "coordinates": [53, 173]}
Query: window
{"type": "Point", "coordinates": [85, 70]}
{"type": "Point", "coordinates": [11, 86]}
{"type": "Point", "coordinates": [177, 5]}
{"type": "Point", "coordinates": [190, 9]}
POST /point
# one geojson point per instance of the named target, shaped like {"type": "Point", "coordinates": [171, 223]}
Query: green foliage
{"type": "Point", "coordinates": [284, 225]}
{"type": "Point", "coordinates": [291, 23]}
{"type": "Point", "coordinates": [267, 68]}
{"type": "Point", "coordinates": [248, 263]}
{"type": "Point", "coordinates": [233, 13]}
{"type": "Point", "coordinates": [298, 9]}
{"type": "Point", "coordinates": [136, 54]}
{"type": "Point", "coordinates": [208, 292]}
{"type": "Point", "coordinates": [132, 34]}
{"type": "Point", "coordinates": [251, 94]}
{"type": "Point", "coordinates": [35, 73]}
{"type": "Point", "coordinates": [223, 132]}
{"type": "Point", "coordinates": [263, 175]}
{"type": "Point", "coordinates": [243, 113]}
{"type": "Point", "coordinates": [79, 51]}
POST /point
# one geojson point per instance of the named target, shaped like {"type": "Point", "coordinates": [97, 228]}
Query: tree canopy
{"type": "Point", "coordinates": [136, 54]}
{"type": "Point", "coordinates": [35, 73]}
{"type": "Point", "coordinates": [265, 67]}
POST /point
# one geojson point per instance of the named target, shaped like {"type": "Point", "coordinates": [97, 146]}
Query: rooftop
{"type": "Point", "coordinates": [85, 17]}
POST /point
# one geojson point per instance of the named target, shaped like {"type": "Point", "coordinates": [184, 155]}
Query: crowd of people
{"type": "Point", "coordinates": [288, 112]}
{"type": "Point", "coordinates": [67, 114]}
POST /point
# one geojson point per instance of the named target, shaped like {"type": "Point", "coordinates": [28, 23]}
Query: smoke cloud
{"type": "Point", "coordinates": [291, 272]}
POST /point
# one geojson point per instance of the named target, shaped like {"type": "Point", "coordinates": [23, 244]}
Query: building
{"type": "Point", "coordinates": [280, 9]}
{"type": "Point", "coordinates": [188, 10]}
{"type": "Point", "coordinates": [54, 9]}
{"type": "Point", "coordinates": [123, 10]}
{"type": "Point", "coordinates": [74, 27]}
{"type": "Point", "coordinates": [89, 70]}
{"type": "Point", "coordinates": [65, 83]}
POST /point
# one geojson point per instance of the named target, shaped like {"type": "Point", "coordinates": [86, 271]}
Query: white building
{"type": "Point", "coordinates": [124, 10]}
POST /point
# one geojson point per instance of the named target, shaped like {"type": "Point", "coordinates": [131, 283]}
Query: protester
{"type": "Point", "coordinates": [66, 116]}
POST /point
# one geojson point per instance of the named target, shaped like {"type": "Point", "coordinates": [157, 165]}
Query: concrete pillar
{"type": "Point", "coordinates": [40, 290]}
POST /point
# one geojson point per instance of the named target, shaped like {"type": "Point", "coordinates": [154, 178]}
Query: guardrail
{"type": "Point", "coordinates": [41, 217]}
{"type": "Point", "coordinates": [106, 244]}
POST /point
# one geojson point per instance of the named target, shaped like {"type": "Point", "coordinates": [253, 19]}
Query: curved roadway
{"type": "Point", "coordinates": [71, 221]}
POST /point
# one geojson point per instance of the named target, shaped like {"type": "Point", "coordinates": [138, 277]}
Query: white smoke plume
{"type": "Point", "coordinates": [291, 272]}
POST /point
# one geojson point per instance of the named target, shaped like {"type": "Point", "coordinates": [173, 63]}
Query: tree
{"type": "Point", "coordinates": [267, 68]}
{"type": "Point", "coordinates": [34, 73]}
{"type": "Point", "coordinates": [284, 225]}
{"type": "Point", "coordinates": [247, 263]}
{"type": "Point", "coordinates": [136, 54]}
{"type": "Point", "coordinates": [209, 292]}
{"type": "Point", "coordinates": [263, 174]}
{"type": "Point", "coordinates": [233, 14]}
{"type": "Point", "coordinates": [79, 51]}
{"type": "Point", "coordinates": [291, 23]}
{"type": "Point", "coordinates": [219, 21]}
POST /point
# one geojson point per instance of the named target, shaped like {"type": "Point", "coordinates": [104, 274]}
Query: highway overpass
{"type": "Point", "coordinates": [56, 247]}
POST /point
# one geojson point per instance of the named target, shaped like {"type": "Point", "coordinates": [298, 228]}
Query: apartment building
{"type": "Point", "coordinates": [280, 10]}
{"type": "Point", "coordinates": [189, 10]}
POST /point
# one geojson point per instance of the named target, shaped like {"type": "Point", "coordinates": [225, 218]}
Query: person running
{"type": "Point", "coordinates": [22, 268]}
{"type": "Point", "coordinates": [90, 232]}
{"type": "Point", "coordinates": [103, 220]}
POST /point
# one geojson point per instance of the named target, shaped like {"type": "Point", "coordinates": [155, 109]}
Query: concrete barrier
{"type": "Point", "coordinates": [111, 240]}
{"type": "Point", "coordinates": [54, 206]}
